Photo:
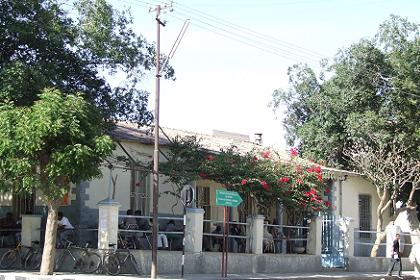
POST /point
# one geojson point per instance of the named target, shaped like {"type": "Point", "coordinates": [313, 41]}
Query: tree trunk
{"type": "Point", "coordinates": [48, 255]}
{"type": "Point", "coordinates": [379, 234]}
{"type": "Point", "coordinates": [414, 188]}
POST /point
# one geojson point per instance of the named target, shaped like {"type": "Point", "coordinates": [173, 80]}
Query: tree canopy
{"type": "Point", "coordinates": [56, 95]}
{"type": "Point", "coordinates": [57, 137]}
{"type": "Point", "coordinates": [371, 87]}
{"type": "Point", "coordinates": [43, 46]}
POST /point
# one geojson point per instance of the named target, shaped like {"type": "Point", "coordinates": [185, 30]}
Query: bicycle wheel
{"type": "Point", "coordinates": [9, 259]}
{"type": "Point", "coordinates": [90, 262]}
{"type": "Point", "coordinates": [33, 261]}
{"type": "Point", "coordinates": [135, 265]}
{"type": "Point", "coordinates": [58, 266]}
{"type": "Point", "coordinates": [112, 265]}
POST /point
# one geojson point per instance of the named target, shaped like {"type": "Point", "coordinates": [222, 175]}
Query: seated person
{"type": "Point", "coordinates": [217, 241]}
{"type": "Point", "coordinates": [141, 222]}
{"type": "Point", "coordinates": [162, 238]}
{"type": "Point", "coordinates": [8, 222]}
{"type": "Point", "coordinates": [129, 222]}
{"type": "Point", "coordinates": [236, 244]}
{"type": "Point", "coordinates": [173, 238]}
{"type": "Point", "coordinates": [268, 241]}
{"type": "Point", "coordinates": [7, 226]}
{"type": "Point", "coordinates": [64, 230]}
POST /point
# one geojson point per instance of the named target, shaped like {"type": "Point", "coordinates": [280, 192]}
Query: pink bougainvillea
{"type": "Point", "coordinates": [265, 154]}
{"type": "Point", "coordinates": [294, 152]}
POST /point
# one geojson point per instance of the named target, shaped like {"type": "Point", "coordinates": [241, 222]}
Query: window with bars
{"type": "Point", "coordinates": [365, 216]}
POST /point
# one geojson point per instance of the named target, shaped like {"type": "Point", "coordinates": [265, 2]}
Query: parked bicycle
{"type": "Point", "coordinates": [115, 259]}
{"type": "Point", "coordinates": [82, 259]}
{"type": "Point", "coordinates": [22, 257]}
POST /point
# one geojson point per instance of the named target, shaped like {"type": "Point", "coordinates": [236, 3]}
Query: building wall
{"type": "Point", "coordinates": [98, 188]}
{"type": "Point", "coordinates": [352, 187]}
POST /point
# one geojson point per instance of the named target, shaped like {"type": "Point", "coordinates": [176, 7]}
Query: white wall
{"type": "Point", "coordinates": [352, 187]}
{"type": "Point", "coordinates": [98, 189]}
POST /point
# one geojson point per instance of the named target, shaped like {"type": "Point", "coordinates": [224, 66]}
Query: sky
{"type": "Point", "coordinates": [225, 84]}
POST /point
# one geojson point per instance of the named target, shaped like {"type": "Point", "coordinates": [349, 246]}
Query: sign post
{"type": "Point", "coordinates": [226, 199]}
{"type": "Point", "coordinates": [187, 198]}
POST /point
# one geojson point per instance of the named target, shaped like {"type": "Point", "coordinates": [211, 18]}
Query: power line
{"type": "Point", "coordinates": [216, 20]}
{"type": "Point", "coordinates": [247, 30]}
{"type": "Point", "coordinates": [245, 39]}
{"type": "Point", "coordinates": [261, 3]}
{"type": "Point", "coordinates": [251, 38]}
{"type": "Point", "coordinates": [267, 50]}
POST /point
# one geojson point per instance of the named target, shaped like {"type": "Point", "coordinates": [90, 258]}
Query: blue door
{"type": "Point", "coordinates": [332, 252]}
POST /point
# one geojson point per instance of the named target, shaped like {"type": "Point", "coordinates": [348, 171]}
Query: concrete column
{"type": "Point", "coordinates": [351, 241]}
{"type": "Point", "coordinates": [315, 236]}
{"type": "Point", "coordinates": [255, 234]}
{"type": "Point", "coordinates": [194, 230]}
{"type": "Point", "coordinates": [108, 223]}
{"type": "Point", "coordinates": [31, 229]}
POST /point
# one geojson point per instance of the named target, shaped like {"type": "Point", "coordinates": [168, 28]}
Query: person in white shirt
{"type": "Point", "coordinates": [64, 230]}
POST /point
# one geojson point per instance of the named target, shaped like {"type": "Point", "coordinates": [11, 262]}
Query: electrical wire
{"type": "Point", "coordinates": [267, 50]}
{"type": "Point", "coordinates": [251, 32]}
{"type": "Point", "coordinates": [242, 29]}
{"type": "Point", "coordinates": [250, 38]}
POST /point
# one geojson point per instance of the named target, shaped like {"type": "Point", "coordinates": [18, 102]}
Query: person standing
{"type": "Point", "coordinates": [395, 257]}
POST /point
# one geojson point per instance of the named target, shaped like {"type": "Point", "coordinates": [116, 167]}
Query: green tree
{"type": "Point", "coordinates": [373, 86]}
{"type": "Point", "coordinates": [365, 115]}
{"type": "Point", "coordinates": [58, 140]}
{"type": "Point", "coordinates": [42, 46]}
{"type": "Point", "coordinates": [50, 134]}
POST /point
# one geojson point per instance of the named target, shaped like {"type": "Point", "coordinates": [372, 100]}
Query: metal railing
{"type": "Point", "coordinates": [365, 239]}
{"type": "Point", "coordinates": [213, 238]}
{"type": "Point", "coordinates": [285, 239]}
{"type": "Point", "coordinates": [138, 232]}
{"type": "Point", "coordinates": [87, 236]}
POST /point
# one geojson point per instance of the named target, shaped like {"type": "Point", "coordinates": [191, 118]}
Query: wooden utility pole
{"type": "Point", "coordinates": [155, 228]}
{"type": "Point", "coordinates": [155, 225]}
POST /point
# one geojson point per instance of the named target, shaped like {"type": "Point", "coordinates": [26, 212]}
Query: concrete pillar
{"type": "Point", "coordinates": [351, 242]}
{"type": "Point", "coordinates": [315, 236]}
{"type": "Point", "coordinates": [108, 223]}
{"type": "Point", "coordinates": [255, 234]}
{"type": "Point", "coordinates": [31, 229]}
{"type": "Point", "coordinates": [194, 230]}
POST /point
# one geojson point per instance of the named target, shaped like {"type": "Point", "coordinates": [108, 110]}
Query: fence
{"type": "Point", "coordinates": [136, 232]}
{"type": "Point", "coordinates": [213, 238]}
{"type": "Point", "coordinates": [284, 239]}
{"type": "Point", "coordinates": [365, 239]}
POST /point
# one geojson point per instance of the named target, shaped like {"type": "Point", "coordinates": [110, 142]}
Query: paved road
{"type": "Point", "coordinates": [9, 275]}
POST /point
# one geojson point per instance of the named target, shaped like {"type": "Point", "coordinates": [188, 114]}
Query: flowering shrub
{"type": "Point", "coordinates": [255, 174]}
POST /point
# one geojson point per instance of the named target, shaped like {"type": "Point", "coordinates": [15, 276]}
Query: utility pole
{"type": "Point", "coordinates": [153, 273]}
{"type": "Point", "coordinates": [156, 153]}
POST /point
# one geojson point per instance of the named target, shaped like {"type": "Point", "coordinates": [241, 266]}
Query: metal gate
{"type": "Point", "coordinates": [332, 252]}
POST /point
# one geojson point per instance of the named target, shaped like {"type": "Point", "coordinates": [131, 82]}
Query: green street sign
{"type": "Point", "coordinates": [227, 198]}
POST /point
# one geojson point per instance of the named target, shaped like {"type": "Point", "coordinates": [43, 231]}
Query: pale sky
{"type": "Point", "coordinates": [226, 85]}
